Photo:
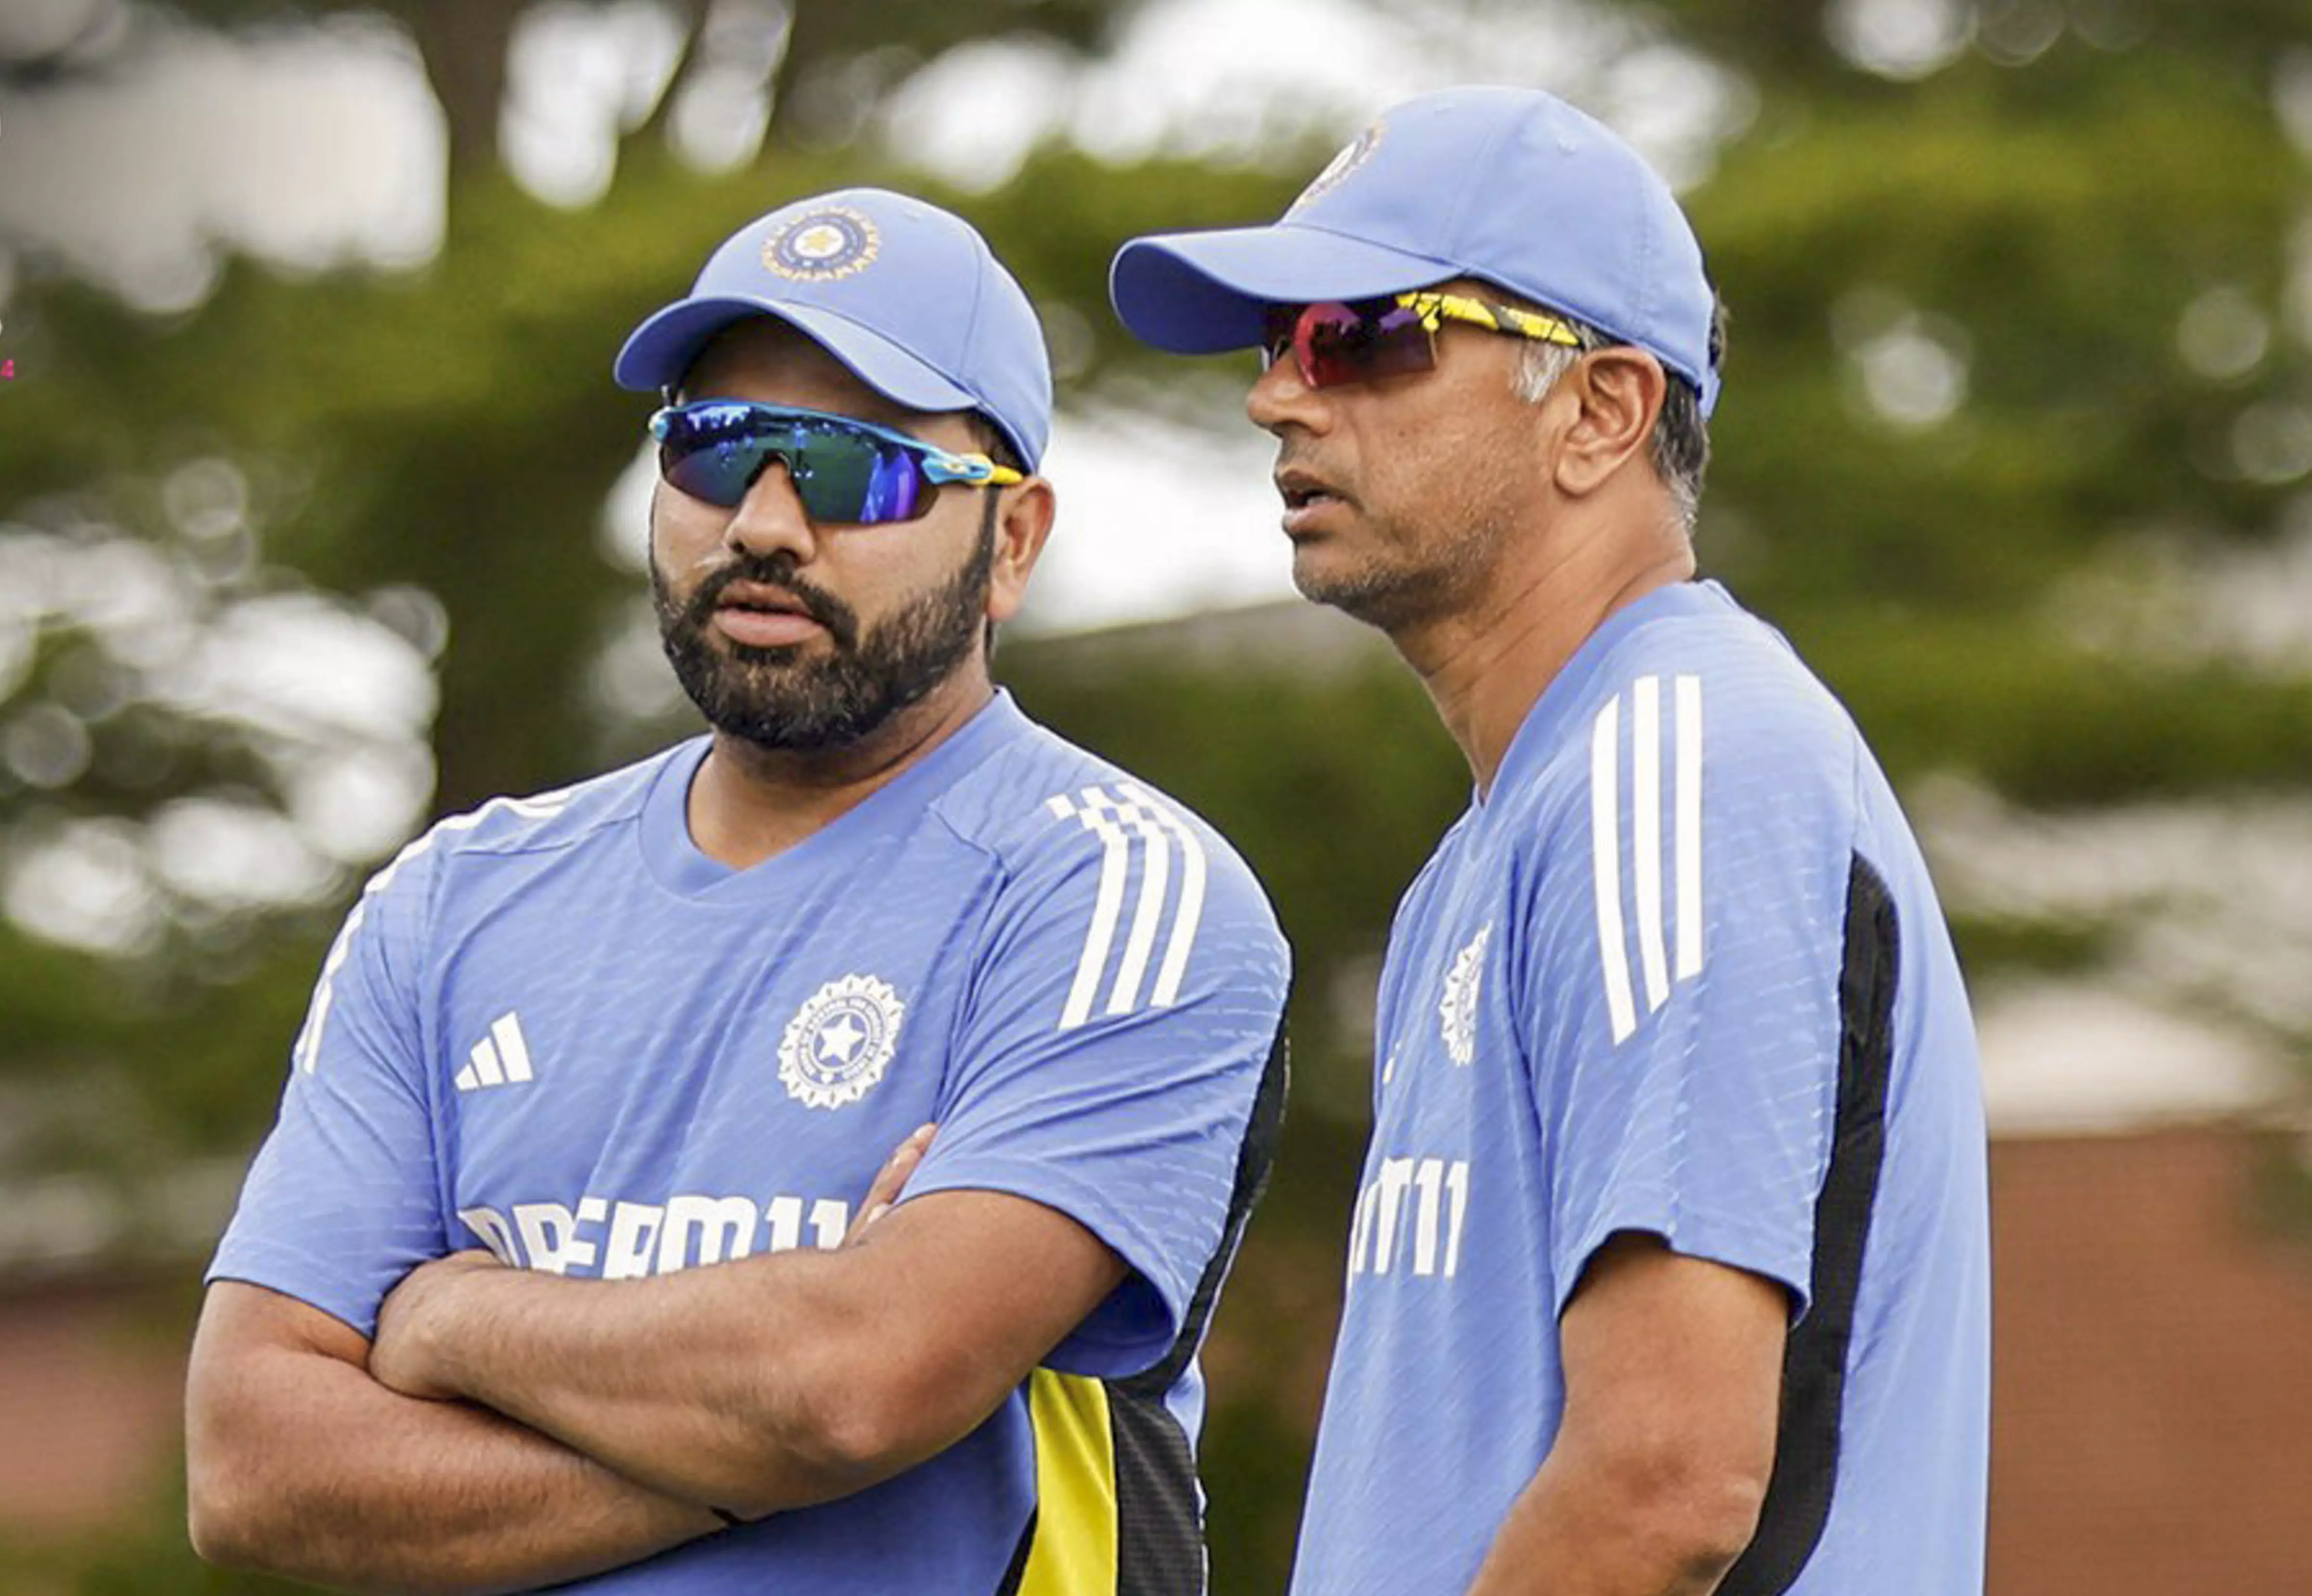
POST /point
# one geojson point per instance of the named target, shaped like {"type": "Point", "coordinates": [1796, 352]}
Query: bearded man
{"type": "Point", "coordinates": [557, 1267]}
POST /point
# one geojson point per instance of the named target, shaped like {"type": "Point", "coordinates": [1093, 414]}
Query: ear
{"type": "Point", "coordinates": [1618, 392]}
{"type": "Point", "coordinates": [1022, 526]}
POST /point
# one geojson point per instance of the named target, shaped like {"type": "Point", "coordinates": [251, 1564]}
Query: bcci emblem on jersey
{"type": "Point", "coordinates": [837, 1044]}
{"type": "Point", "coordinates": [1457, 1011]}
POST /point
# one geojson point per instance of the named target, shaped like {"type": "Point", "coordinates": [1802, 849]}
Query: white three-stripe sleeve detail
{"type": "Point", "coordinates": [317, 1017]}
{"type": "Point", "coordinates": [1190, 911]}
{"type": "Point", "coordinates": [1113, 866]}
{"type": "Point", "coordinates": [1606, 850]}
{"type": "Point", "coordinates": [512, 1048]}
{"type": "Point", "coordinates": [1688, 799]}
{"type": "Point", "coordinates": [1153, 880]}
{"type": "Point", "coordinates": [1646, 835]}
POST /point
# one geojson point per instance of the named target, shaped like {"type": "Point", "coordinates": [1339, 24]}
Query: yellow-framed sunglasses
{"type": "Point", "coordinates": [1335, 341]}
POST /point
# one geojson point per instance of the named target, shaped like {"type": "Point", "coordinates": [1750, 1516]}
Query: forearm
{"type": "Point", "coordinates": [1658, 1472]}
{"type": "Point", "coordinates": [667, 1384]}
{"type": "Point", "coordinates": [1581, 1531]}
{"type": "Point", "coordinates": [772, 1382]}
{"type": "Point", "coordinates": [299, 1464]}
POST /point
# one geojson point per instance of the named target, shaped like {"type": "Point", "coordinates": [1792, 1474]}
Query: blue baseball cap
{"type": "Point", "coordinates": [906, 294]}
{"type": "Point", "coordinates": [1511, 186]}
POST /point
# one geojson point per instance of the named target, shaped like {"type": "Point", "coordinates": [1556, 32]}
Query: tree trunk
{"type": "Point", "coordinates": [464, 44]}
{"type": "Point", "coordinates": [653, 128]}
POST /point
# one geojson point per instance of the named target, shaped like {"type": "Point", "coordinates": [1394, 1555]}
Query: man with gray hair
{"type": "Point", "coordinates": [1669, 1270]}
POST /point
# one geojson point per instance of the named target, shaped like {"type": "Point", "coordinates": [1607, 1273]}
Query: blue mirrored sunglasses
{"type": "Point", "coordinates": [842, 469]}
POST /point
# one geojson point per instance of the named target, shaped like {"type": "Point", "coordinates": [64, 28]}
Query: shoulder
{"type": "Point", "coordinates": [557, 821]}
{"type": "Point", "coordinates": [1131, 899]}
{"type": "Point", "coordinates": [1041, 805]}
{"type": "Point", "coordinates": [1697, 821]}
{"type": "Point", "coordinates": [1717, 659]}
{"type": "Point", "coordinates": [1704, 704]}
{"type": "Point", "coordinates": [1695, 765]}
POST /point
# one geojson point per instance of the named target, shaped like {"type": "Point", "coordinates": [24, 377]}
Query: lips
{"type": "Point", "coordinates": [1307, 496]}
{"type": "Point", "coordinates": [761, 599]}
{"type": "Point", "coordinates": [762, 615]}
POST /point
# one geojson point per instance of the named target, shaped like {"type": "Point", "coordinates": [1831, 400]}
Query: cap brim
{"type": "Point", "coordinates": [1202, 292]}
{"type": "Point", "coordinates": [661, 350]}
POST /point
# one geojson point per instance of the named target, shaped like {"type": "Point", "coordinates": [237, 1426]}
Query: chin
{"type": "Point", "coordinates": [1379, 599]}
{"type": "Point", "coordinates": [1324, 580]}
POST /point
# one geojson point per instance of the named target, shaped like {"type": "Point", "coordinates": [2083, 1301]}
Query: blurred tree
{"type": "Point", "coordinates": [2020, 354]}
{"type": "Point", "coordinates": [818, 62]}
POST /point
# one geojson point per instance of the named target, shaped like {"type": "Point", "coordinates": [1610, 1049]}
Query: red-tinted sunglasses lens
{"type": "Point", "coordinates": [1334, 343]}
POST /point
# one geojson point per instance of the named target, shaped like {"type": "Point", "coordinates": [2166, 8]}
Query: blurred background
{"type": "Point", "coordinates": [319, 518]}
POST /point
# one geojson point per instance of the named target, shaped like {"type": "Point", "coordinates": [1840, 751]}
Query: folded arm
{"type": "Point", "coordinates": [300, 1463]}
{"type": "Point", "coordinates": [771, 1382]}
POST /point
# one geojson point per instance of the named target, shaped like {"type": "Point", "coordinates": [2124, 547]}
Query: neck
{"type": "Point", "coordinates": [1487, 664]}
{"type": "Point", "coordinates": [747, 802]}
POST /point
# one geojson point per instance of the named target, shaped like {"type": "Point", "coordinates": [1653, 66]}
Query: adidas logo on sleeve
{"type": "Point", "coordinates": [500, 1059]}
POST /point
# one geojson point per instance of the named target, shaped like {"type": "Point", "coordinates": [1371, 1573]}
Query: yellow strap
{"type": "Point", "coordinates": [1074, 1553]}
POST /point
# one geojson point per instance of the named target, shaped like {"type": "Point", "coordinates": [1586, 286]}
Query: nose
{"type": "Point", "coordinates": [771, 518]}
{"type": "Point", "coordinates": [1280, 397]}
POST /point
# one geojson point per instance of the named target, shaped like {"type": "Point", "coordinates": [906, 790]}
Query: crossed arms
{"type": "Point", "coordinates": [509, 1429]}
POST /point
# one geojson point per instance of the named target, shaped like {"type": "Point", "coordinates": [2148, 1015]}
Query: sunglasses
{"type": "Point", "coordinates": [1333, 341]}
{"type": "Point", "coordinates": [843, 470]}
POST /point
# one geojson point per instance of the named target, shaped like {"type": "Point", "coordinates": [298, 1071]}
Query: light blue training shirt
{"type": "Point", "coordinates": [555, 1028]}
{"type": "Point", "coordinates": [1680, 971]}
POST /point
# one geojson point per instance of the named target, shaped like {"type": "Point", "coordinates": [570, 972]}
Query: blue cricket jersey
{"type": "Point", "coordinates": [555, 1028]}
{"type": "Point", "coordinates": [1681, 972]}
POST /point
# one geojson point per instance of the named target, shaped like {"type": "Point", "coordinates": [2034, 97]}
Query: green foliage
{"type": "Point", "coordinates": [2062, 239]}
{"type": "Point", "coordinates": [152, 1557]}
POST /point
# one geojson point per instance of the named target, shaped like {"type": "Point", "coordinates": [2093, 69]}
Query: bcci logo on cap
{"type": "Point", "coordinates": [823, 245]}
{"type": "Point", "coordinates": [1354, 155]}
{"type": "Point", "coordinates": [840, 1040]}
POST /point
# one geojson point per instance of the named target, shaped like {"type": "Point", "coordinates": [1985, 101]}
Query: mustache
{"type": "Point", "coordinates": [1293, 457]}
{"type": "Point", "coordinates": [776, 571]}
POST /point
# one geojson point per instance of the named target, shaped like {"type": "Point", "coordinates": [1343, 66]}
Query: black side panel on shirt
{"type": "Point", "coordinates": [1145, 1473]}
{"type": "Point", "coordinates": [1814, 1363]}
{"type": "Point", "coordinates": [1018, 1569]}
{"type": "Point", "coordinates": [1159, 1530]}
{"type": "Point", "coordinates": [1254, 1155]}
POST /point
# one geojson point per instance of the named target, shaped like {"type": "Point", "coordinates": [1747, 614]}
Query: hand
{"type": "Point", "coordinates": [885, 1190]}
{"type": "Point", "coordinates": [402, 1356]}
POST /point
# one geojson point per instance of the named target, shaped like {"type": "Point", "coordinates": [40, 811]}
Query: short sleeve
{"type": "Point", "coordinates": [343, 1198]}
{"type": "Point", "coordinates": [1681, 974]}
{"type": "Point", "coordinates": [1124, 1008]}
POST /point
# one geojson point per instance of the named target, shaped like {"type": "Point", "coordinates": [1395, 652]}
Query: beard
{"type": "Point", "coordinates": [1396, 569]}
{"type": "Point", "coordinates": [788, 699]}
{"type": "Point", "coordinates": [1393, 590]}
{"type": "Point", "coordinates": [1381, 597]}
